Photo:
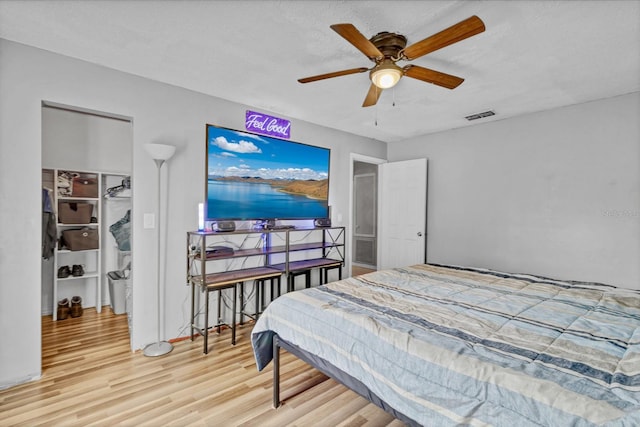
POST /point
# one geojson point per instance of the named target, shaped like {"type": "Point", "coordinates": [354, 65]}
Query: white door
{"type": "Point", "coordinates": [402, 209]}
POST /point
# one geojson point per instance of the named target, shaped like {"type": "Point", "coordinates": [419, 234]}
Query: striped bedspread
{"type": "Point", "coordinates": [460, 346]}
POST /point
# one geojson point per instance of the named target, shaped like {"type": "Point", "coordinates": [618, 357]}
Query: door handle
{"type": "Point", "coordinates": [419, 233]}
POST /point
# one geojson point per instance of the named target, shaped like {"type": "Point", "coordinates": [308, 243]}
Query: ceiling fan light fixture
{"type": "Point", "coordinates": [386, 74]}
{"type": "Point", "coordinates": [385, 49]}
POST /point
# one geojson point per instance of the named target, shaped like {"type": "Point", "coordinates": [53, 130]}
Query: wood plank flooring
{"type": "Point", "coordinates": [357, 270]}
{"type": "Point", "coordinates": [91, 378]}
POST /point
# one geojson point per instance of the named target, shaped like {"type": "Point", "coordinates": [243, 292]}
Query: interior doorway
{"type": "Point", "coordinates": [365, 196]}
{"type": "Point", "coordinates": [79, 148]}
{"type": "Point", "coordinates": [363, 235]}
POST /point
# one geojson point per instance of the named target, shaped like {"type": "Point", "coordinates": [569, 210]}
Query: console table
{"type": "Point", "coordinates": [225, 261]}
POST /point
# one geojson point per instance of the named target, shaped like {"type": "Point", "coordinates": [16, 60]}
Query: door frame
{"type": "Point", "coordinates": [109, 171]}
{"type": "Point", "coordinates": [355, 157]}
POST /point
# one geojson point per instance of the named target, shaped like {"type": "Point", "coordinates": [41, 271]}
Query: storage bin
{"type": "Point", "coordinates": [74, 213]}
{"type": "Point", "coordinates": [118, 285]}
{"type": "Point", "coordinates": [81, 240]}
{"type": "Point", "coordinates": [84, 187]}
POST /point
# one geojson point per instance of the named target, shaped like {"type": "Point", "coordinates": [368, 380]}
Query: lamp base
{"type": "Point", "coordinates": [158, 349]}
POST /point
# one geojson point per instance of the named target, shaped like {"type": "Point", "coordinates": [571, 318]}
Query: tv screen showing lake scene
{"type": "Point", "coordinates": [256, 177]}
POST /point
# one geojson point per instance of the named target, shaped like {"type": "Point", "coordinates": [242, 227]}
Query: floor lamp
{"type": "Point", "coordinates": [160, 153]}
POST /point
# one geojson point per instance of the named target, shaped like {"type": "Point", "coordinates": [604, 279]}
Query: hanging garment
{"type": "Point", "coordinates": [49, 236]}
{"type": "Point", "coordinates": [121, 231]}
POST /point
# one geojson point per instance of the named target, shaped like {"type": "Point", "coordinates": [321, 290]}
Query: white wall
{"type": "Point", "coordinates": [161, 113]}
{"type": "Point", "coordinates": [555, 193]}
{"type": "Point", "coordinates": [79, 141]}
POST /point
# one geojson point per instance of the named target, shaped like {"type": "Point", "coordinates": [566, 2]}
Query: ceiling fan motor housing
{"type": "Point", "coordinates": [389, 44]}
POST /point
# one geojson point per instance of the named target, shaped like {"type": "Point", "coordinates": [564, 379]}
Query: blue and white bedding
{"type": "Point", "coordinates": [460, 346]}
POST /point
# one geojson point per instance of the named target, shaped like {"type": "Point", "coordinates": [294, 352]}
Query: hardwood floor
{"type": "Point", "coordinates": [357, 271]}
{"type": "Point", "coordinates": [90, 377]}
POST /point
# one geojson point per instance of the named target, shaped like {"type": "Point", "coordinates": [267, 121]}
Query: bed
{"type": "Point", "coordinates": [443, 345]}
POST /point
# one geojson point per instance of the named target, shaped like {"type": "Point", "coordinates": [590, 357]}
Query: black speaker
{"type": "Point", "coordinates": [322, 222]}
{"type": "Point", "coordinates": [225, 226]}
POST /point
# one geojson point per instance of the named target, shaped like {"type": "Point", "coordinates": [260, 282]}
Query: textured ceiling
{"type": "Point", "coordinates": [533, 56]}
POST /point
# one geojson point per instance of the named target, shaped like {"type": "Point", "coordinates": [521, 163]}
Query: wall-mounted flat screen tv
{"type": "Point", "coordinates": [256, 177]}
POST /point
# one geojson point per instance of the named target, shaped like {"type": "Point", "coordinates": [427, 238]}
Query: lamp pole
{"type": "Point", "coordinates": [160, 153]}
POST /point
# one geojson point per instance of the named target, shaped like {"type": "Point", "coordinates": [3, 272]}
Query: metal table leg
{"type": "Point", "coordinates": [233, 315]}
{"type": "Point", "coordinates": [193, 314]}
{"type": "Point", "coordinates": [205, 332]}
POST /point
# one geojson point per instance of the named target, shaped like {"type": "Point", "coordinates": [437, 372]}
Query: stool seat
{"type": "Point", "coordinates": [216, 282]}
{"type": "Point", "coordinates": [304, 267]}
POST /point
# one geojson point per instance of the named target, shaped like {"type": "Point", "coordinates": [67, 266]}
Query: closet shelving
{"type": "Point", "coordinates": [87, 282]}
{"type": "Point", "coordinates": [116, 203]}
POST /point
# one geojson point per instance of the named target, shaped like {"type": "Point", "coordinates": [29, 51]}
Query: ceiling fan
{"type": "Point", "coordinates": [385, 49]}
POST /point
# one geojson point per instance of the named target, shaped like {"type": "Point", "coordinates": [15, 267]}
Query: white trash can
{"type": "Point", "coordinates": [118, 284]}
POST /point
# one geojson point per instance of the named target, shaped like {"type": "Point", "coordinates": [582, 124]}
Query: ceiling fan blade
{"type": "Point", "coordinates": [334, 74]}
{"type": "Point", "coordinates": [432, 76]}
{"type": "Point", "coordinates": [372, 96]}
{"type": "Point", "coordinates": [355, 37]}
{"type": "Point", "coordinates": [460, 31]}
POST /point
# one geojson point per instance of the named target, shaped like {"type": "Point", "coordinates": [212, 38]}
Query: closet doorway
{"type": "Point", "coordinates": [96, 149]}
{"type": "Point", "coordinates": [364, 213]}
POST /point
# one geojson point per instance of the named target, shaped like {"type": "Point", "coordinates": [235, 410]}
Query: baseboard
{"type": "Point", "coordinates": [22, 380]}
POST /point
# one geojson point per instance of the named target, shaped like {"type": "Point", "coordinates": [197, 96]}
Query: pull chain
{"type": "Point", "coordinates": [375, 117]}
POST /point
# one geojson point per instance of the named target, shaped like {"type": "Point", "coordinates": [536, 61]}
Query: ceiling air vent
{"type": "Point", "coordinates": [480, 115]}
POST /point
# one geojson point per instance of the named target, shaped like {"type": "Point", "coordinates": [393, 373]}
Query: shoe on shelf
{"type": "Point", "coordinates": [63, 309]}
{"type": "Point", "coordinates": [64, 272]}
{"type": "Point", "coordinates": [77, 271]}
{"type": "Point", "coordinates": [76, 307]}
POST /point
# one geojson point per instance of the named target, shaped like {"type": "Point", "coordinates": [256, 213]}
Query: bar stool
{"type": "Point", "coordinates": [217, 282]}
{"type": "Point", "coordinates": [259, 285]}
{"type": "Point", "coordinates": [324, 272]}
{"type": "Point", "coordinates": [219, 322]}
{"type": "Point", "coordinates": [291, 278]}
{"type": "Point", "coordinates": [275, 292]}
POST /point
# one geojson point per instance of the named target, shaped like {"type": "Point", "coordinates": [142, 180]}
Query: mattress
{"type": "Point", "coordinates": [448, 345]}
